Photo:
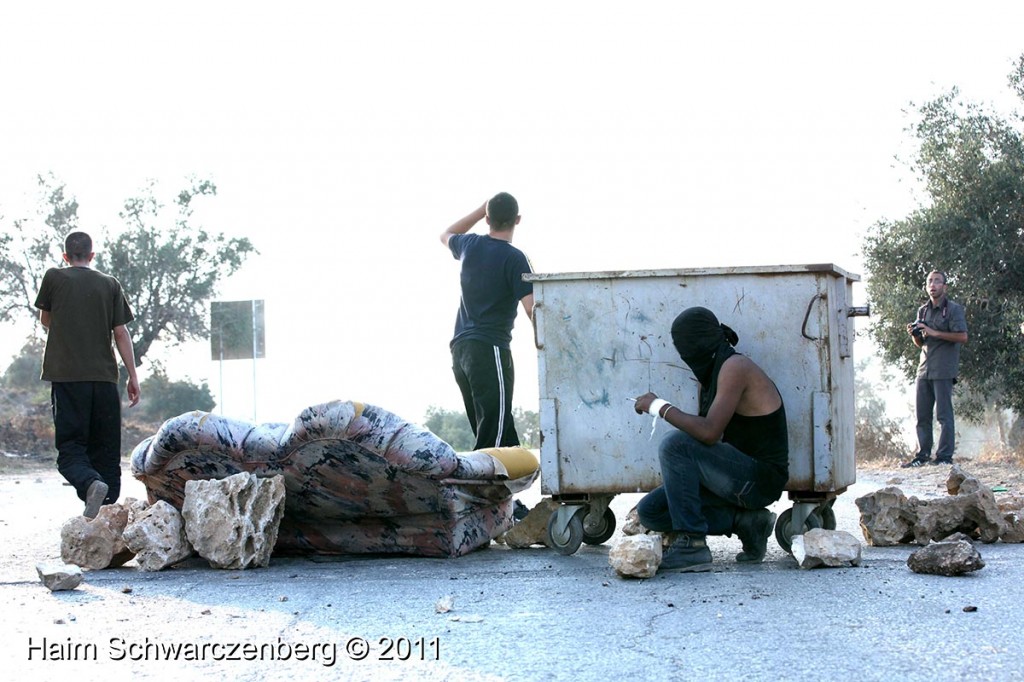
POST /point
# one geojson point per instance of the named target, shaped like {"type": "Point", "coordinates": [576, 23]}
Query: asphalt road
{"type": "Point", "coordinates": [512, 614]}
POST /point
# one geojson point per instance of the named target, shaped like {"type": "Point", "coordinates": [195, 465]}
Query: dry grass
{"type": "Point", "coordinates": [1000, 455]}
{"type": "Point", "coordinates": [1001, 471]}
{"type": "Point", "coordinates": [25, 464]}
{"type": "Point", "coordinates": [26, 440]}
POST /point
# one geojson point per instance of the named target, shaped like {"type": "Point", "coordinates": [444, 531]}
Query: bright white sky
{"type": "Point", "coordinates": [344, 137]}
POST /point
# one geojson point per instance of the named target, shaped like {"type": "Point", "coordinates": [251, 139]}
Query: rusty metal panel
{"type": "Point", "coordinates": [841, 391]}
{"type": "Point", "coordinates": [821, 416]}
{"type": "Point", "coordinates": [548, 434]}
{"type": "Point", "coordinates": [605, 337]}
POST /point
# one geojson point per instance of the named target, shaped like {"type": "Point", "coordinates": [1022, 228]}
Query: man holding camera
{"type": "Point", "coordinates": [939, 331]}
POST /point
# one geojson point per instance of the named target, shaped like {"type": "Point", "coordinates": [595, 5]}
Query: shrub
{"type": "Point", "coordinates": [163, 398]}
{"type": "Point", "coordinates": [877, 436]}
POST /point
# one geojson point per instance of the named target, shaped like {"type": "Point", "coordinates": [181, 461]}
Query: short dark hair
{"type": "Point", "coordinates": [78, 245]}
{"type": "Point", "coordinates": [945, 279]}
{"type": "Point", "coordinates": [503, 209]}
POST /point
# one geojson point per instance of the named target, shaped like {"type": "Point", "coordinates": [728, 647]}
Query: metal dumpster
{"type": "Point", "coordinates": [604, 337]}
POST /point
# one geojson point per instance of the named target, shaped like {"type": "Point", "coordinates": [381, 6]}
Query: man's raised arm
{"type": "Point", "coordinates": [464, 225]}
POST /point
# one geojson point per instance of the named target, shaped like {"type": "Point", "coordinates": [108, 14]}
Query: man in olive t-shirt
{"type": "Point", "coordinates": [85, 312]}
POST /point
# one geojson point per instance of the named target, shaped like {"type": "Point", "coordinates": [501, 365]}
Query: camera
{"type": "Point", "coordinates": [915, 330]}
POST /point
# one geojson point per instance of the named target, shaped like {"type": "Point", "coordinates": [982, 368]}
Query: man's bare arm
{"type": "Point", "coordinates": [527, 302]}
{"type": "Point", "coordinates": [464, 225]}
{"type": "Point", "coordinates": [123, 341]}
{"type": "Point", "coordinates": [732, 381]}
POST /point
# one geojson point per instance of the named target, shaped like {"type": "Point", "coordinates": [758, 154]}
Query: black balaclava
{"type": "Point", "coordinates": [704, 344]}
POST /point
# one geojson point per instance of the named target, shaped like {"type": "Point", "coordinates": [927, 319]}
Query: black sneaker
{"type": "Point", "coordinates": [688, 554]}
{"type": "Point", "coordinates": [94, 497]}
{"type": "Point", "coordinates": [942, 462]}
{"type": "Point", "coordinates": [753, 527]}
{"type": "Point", "coordinates": [519, 510]}
{"type": "Point", "coordinates": [914, 463]}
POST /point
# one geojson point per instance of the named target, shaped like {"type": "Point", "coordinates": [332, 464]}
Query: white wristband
{"type": "Point", "coordinates": [656, 406]}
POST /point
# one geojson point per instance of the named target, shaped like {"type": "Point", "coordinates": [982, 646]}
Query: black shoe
{"type": "Point", "coordinates": [942, 462]}
{"type": "Point", "coordinates": [688, 554]}
{"type": "Point", "coordinates": [94, 497]}
{"type": "Point", "coordinates": [519, 510]}
{"type": "Point", "coordinates": [753, 527]}
{"type": "Point", "coordinates": [914, 463]}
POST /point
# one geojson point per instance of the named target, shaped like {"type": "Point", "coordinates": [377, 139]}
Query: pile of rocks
{"type": "Point", "coordinates": [232, 523]}
{"type": "Point", "coordinates": [947, 526]}
{"type": "Point", "coordinates": [888, 517]}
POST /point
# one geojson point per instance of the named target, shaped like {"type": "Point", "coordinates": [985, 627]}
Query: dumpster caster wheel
{"type": "Point", "coordinates": [784, 531]}
{"type": "Point", "coordinates": [568, 540]}
{"type": "Point", "coordinates": [828, 517]}
{"type": "Point", "coordinates": [602, 530]}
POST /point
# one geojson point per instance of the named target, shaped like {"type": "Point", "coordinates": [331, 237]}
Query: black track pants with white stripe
{"type": "Point", "coordinates": [485, 375]}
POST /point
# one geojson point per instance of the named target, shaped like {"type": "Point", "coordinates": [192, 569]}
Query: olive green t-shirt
{"type": "Point", "coordinates": [941, 359]}
{"type": "Point", "coordinates": [84, 306]}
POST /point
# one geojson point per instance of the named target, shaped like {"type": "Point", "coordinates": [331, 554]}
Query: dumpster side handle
{"type": "Point", "coordinates": [807, 316]}
{"type": "Point", "coordinates": [538, 307]}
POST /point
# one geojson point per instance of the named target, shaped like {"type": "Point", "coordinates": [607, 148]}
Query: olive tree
{"type": "Point", "coordinates": [169, 265]}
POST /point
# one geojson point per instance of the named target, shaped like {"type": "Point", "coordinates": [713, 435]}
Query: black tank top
{"type": "Point", "coordinates": [764, 438]}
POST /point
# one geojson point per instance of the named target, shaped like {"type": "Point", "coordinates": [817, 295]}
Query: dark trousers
{"type": "Point", "coordinates": [703, 486]}
{"type": "Point", "coordinates": [935, 395]}
{"type": "Point", "coordinates": [485, 375]}
{"type": "Point", "coordinates": [87, 434]}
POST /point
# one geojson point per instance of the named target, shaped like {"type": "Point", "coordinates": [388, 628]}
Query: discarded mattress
{"type": "Point", "coordinates": [359, 479]}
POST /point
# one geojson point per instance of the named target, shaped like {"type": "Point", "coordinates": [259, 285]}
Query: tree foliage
{"type": "Point", "coordinates": [877, 436]}
{"type": "Point", "coordinates": [170, 271]}
{"type": "Point", "coordinates": [971, 226]}
{"type": "Point", "coordinates": [22, 375]}
{"type": "Point", "coordinates": [452, 426]}
{"type": "Point", "coordinates": [31, 245]}
{"type": "Point", "coordinates": [26, 420]}
{"type": "Point", "coordinates": [163, 398]}
{"type": "Point", "coordinates": [168, 264]}
{"type": "Point", "coordinates": [527, 426]}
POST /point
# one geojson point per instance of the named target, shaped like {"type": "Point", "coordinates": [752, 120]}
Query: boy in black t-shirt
{"type": "Point", "coordinates": [492, 289]}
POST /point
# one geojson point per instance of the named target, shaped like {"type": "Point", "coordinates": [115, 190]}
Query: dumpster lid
{"type": "Point", "coordinates": [828, 268]}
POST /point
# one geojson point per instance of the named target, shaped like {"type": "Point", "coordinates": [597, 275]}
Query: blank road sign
{"type": "Point", "coordinates": [237, 330]}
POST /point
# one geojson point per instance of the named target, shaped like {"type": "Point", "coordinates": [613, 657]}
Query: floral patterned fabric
{"type": "Point", "coordinates": [359, 479]}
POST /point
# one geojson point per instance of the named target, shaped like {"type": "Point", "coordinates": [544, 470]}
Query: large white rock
{"type": "Point", "coordinates": [97, 543]}
{"type": "Point", "coordinates": [233, 522]}
{"type": "Point", "coordinates": [887, 516]}
{"type": "Point", "coordinates": [636, 556]}
{"type": "Point", "coordinates": [820, 547]}
{"type": "Point", "coordinates": [157, 536]}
